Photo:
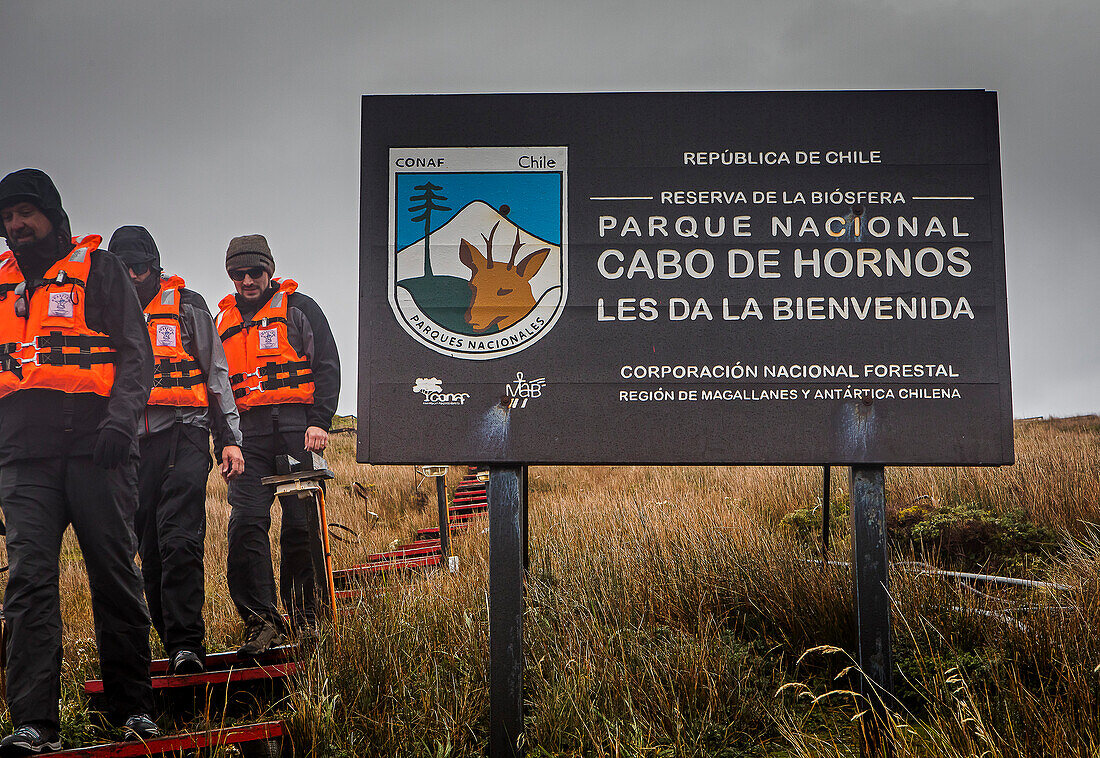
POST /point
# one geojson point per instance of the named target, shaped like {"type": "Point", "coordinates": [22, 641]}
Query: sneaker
{"type": "Point", "coordinates": [185, 662]}
{"type": "Point", "coordinates": [31, 739]}
{"type": "Point", "coordinates": [140, 727]}
{"type": "Point", "coordinates": [261, 637]}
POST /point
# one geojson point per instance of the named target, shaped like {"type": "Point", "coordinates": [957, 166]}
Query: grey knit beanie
{"type": "Point", "coordinates": [248, 251]}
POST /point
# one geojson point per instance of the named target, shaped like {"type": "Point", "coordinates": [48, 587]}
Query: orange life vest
{"type": "Point", "coordinates": [264, 369]}
{"type": "Point", "coordinates": [45, 342]}
{"type": "Point", "coordinates": [177, 376]}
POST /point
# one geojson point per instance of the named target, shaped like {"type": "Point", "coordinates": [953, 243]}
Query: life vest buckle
{"type": "Point", "coordinates": [23, 346]}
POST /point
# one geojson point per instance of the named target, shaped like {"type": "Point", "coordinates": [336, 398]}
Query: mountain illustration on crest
{"type": "Point", "coordinates": [443, 291]}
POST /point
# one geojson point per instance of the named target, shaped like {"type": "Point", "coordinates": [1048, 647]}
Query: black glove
{"type": "Point", "coordinates": [111, 449]}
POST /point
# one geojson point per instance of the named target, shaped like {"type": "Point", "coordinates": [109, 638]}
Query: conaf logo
{"type": "Point", "coordinates": [434, 394]}
{"type": "Point", "coordinates": [470, 276]}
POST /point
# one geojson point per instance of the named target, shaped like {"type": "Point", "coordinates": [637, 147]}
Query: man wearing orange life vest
{"type": "Point", "coordinates": [285, 373]}
{"type": "Point", "coordinates": [75, 372]}
{"type": "Point", "coordinates": [191, 398]}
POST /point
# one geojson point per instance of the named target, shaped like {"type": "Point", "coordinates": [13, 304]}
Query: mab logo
{"type": "Point", "coordinates": [434, 394]}
{"type": "Point", "coordinates": [522, 390]}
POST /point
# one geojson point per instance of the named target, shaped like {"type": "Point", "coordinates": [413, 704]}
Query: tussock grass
{"type": "Point", "coordinates": [671, 612]}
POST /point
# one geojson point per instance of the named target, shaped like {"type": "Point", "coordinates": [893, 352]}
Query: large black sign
{"type": "Point", "coordinates": [683, 278]}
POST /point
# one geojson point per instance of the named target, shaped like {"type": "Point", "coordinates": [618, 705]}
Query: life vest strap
{"type": "Point", "coordinates": [295, 380]}
{"type": "Point", "coordinates": [171, 382]}
{"type": "Point", "coordinates": [57, 340]}
{"type": "Point", "coordinates": [271, 370]}
{"type": "Point", "coordinates": [238, 328]}
{"type": "Point", "coordinates": [11, 363]}
{"type": "Point", "coordinates": [60, 280]}
{"type": "Point", "coordinates": [166, 366]}
{"type": "Point", "coordinates": [83, 360]}
{"type": "Point", "coordinates": [169, 366]}
{"type": "Point", "coordinates": [298, 373]}
{"type": "Point", "coordinates": [49, 351]}
{"type": "Point", "coordinates": [191, 373]}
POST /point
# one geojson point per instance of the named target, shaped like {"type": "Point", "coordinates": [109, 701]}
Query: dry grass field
{"type": "Point", "coordinates": [685, 611]}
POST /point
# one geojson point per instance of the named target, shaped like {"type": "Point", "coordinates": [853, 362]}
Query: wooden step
{"type": "Point", "coordinates": [460, 507]}
{"type": "Point", "coordinates": [471, 489]}
{"type": "Point", "coordinates": [432, 532]}
{"type": "Point", "coordinates": [253, 673]}
{"type": "Point", "coordinates": [230, 659]}
{"type": "Point", "coordinates": [230, 735]}
{"type": "Point", "coordinates": [405, 551]}
{"type": "Point", "coordinates": [473, 502]}
{"type": "Point", "coordinates": [462, 518]}
{"type": "Point", "coordinates": [424, 560]}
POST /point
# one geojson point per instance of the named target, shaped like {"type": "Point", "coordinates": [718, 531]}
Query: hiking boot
{"type": "Point", "coordinates": [185, 662]}
{"type": "Point", "coordinates": [31, 739]}
{"type": "Point", "coordinates": [260, 637]}
{"type": "Point", "coordinates": [140, 727]}
{"type": "Point", "coordinates": [309, 636]}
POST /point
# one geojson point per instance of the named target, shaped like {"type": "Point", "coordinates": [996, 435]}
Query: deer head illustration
{"type": "Point", "coordinates": [501, 292]}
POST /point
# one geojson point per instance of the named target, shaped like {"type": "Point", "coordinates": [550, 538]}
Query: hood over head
{"type": "Point", "coordinates": [35, 186]}
{"type": "Point", "coordinates": [134, 245]}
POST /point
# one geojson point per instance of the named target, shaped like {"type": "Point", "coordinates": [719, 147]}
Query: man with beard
{"type": "Point", "coordinates": [190, 398]}
{"type": "Point", "coordinates": [75, 372]}
{"type": "Point", "coordinates": [285, 373]}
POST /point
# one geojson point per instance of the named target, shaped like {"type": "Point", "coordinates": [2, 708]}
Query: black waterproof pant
{"type": "Point", "coordinates": [171, 530]}
{"type": "Point", "coordinates": [249, 572]}
{"type": "Point", "coordinates": [41, 497]}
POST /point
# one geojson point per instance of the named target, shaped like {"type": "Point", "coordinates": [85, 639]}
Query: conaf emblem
{"type": "Point", "coordinates": [428, 385]}
{"type": "Point", "coordinates": [471, 276]}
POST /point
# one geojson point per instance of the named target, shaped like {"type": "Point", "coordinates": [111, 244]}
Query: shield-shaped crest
{"type": "Point", "coordinates": [478, 260]}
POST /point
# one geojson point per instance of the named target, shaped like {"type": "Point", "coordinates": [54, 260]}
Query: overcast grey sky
{"type": "Point", "coordinates": [207, 120]}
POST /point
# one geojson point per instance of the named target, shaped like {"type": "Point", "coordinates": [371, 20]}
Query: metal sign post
{"type": "Point", "coordinates": [526, 531]}
{"type": "Point", "coordinates": [440, 475]}
{"type": "Point", "coordinates": [870, 569]}
{"type": "Point", "coordinates": [506, 603]}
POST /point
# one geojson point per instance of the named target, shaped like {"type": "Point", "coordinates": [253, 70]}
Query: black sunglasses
{"type": "Point", "coordinates": [238, 274]}
{"type": "Point", "coordinates": [139, 268]}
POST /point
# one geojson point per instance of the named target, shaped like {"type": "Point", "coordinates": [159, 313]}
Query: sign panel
{"type": "Point", "coordinates": [747, 278]}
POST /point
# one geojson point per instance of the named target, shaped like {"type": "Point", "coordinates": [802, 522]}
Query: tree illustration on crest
{"type": "Point", "coordinates": [428, 196]}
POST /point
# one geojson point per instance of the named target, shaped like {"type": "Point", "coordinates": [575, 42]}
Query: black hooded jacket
{"type": "Point", "coordinates": [38, 423]}
{"type": "Point", "coordinates": [134, 245]}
